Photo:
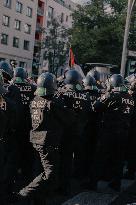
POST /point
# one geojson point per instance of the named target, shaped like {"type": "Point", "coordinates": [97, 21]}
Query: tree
{"type": "Point", "coordinates": [56, 44]}
{"type": "Point", "coordinates": [98, 30]}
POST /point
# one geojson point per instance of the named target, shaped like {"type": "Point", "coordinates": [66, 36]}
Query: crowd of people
{"type": "Point", "coordinates": [61, 129]}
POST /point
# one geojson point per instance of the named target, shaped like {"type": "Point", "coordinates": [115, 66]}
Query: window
{"type": "Point", "coordinates": [4, 39]}
{"type": "Point", "coordinates": [50, 12]}
{"type": "Point", "coordinates": [16, 42]}
{"type": "Point", "coordinates": [5, 20]}
{"type": "Point", "coordinates": [22, 64]}
{"type": "Point", "coordinates": [62, 17]}
{"type": "Point", "coordinates": [26, 45]}
{"type": "Point", "coordinates": [66, 18]}
{"type": "Point", "coordinates": [7, 3]}
{"type": "Point", "coordinates": [17, 25]}
{"type": "Point", "coordinates": [29, 12]}
{"type": "Point", "coordinates": [19, 7]}
{"type": "Point", "coordinates": [27, 28]}
{"type": "Point", "coordinates": [2, 59]}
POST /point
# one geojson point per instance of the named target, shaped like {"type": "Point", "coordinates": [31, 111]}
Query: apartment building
{"type": "Point", "coordinates": [40, 24]}
{"type": "Point", "coordinates": [61, 8]}
{"type": "Point", "coordinates": [17, 31]}
{"type": "Point", "coordinates": [47, 10]}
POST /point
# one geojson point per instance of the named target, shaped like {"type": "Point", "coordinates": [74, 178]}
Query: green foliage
{"type": "Point", "coordinates": [56, 44]}
{"type": "Point", "coordinates": [98, 30]}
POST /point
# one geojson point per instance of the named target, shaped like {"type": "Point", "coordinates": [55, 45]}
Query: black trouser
{"type": "Point", "coordinates": [49, 160]}
{"type": "Point", "coordinates": [110, 155]}
{"type": "Point", "coordinates": [131, 149]}
{"type": "Point", "coordinates": [26, 155]}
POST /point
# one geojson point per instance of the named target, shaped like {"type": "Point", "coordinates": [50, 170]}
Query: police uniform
{"type": "Point", "coordinates": [26, 151]}
{"type": "Point", "coordinates": [131, 151]}
{"type": "Point", "coordinates": [76, 102]}
{"type": "Point", "coordinates": [8, 139]}
{"type": "Point", "coordinates": [91, 131]}
{"type": "Point", "coordinates": [45, 137]}
{"type": "Point", "coordinates": [117, 107]}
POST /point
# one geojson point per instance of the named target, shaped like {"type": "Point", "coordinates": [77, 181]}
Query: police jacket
{"type": "Point", "coordinates": [46, 126]}
{"type": "Point", "coordinates": [117, 107]}
{"type": "Point", "coordinates": [27, 91]}
{"type": "Point", "coordinates": [76, 101]}
{"type": "Point", "coordinates": [9, 119]}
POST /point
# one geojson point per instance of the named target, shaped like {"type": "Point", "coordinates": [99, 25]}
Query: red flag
{"type": "Point", "coordinates": [72, 58]}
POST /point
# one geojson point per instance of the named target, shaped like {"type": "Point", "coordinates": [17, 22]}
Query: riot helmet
{"type": "Point", "coordinates": [20, 74]}
{"type": "Point", "coordinates": [89, 83]}
{"type": "Point", "coordinates": [94, 74]}
{"type": "Point", "coordinates": [6, 70]}
{"type": "Point", "coordinates": [72, 77]}
{"type": "Point", "coordinates": [46, 84]}
{"type": "Point", "coordinates": [116, 80]}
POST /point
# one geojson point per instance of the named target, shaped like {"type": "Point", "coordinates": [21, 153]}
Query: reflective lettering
{"type": "Point", "coordinates": [128, 101]}
{"type": "Point", "coordinates": [38, 104]}
{"type": "Point", "coordinates": [76, 95]}
{"type": "Point", "coordinates": [26, 88]}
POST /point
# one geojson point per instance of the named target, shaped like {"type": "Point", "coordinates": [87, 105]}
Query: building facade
{"type": "Point", "coordinates": [17, 31]}
{"type": "Point", "coordinates": [61, 9]}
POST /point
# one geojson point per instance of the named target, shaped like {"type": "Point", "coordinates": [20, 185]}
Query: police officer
{"type": "Point", "coordinates": [13, 91]}
{"type": "Point", "coordinates": [71, 144]}
{"type": "Point", "coordinates": [93, 73]}
{"type": "Point", "coordinates": [45, 136]}
{"type": "Point", "coordinates": [8, 142]}
{"type": "Point", "coordinates": [12, 101]}
{"type": "Point", "coordinates": [92, 126]}
{"type": "Point", "coordinates": [3, 128]}
{"type": "Point", "coordinates": [131, 152]}
{"type": "Point", "coordinates": [27, 94]}
{"type": "Point", "coordinates": [117, 107]}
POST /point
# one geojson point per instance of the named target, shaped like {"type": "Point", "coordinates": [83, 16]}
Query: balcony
{"type": "Point", "coordinates": [40, 11]}
{"type": "Point", "coordinates": [38, 27]}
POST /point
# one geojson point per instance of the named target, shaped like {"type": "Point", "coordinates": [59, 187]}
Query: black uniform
{"type": "Point", "coordinates": [117, 108]}
{"type": "Point", "coordinates": [45, 137]}
{"type": "Point", "coordinates": [26, 151]}
{"type": "Point", "coordinates": [131, 151]}
{"type": "Point", "coordinates": [71, 144]}
{"type": "Point", "coordinates": [90, 134]}
{"type": "Point", "coordinates": [8, 142]}
{"type": "Point", "coordinates": [3, 127]}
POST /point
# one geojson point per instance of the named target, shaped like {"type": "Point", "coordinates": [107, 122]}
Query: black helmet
{"type": "Point", "coordinates": [72, 77]}
{"type": "Point", "coordinates": [46, 84]}
{"type": "Point", "coordinates": [6, 70]}
{"type": "Point", "coordinates": [20, 73]}
{"type": "Point", "coordinates": [89, 81]}
{"type": "Point", "coordinates": [94, 74]}
{"type": "Point", "coordinates": [116, 80]}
